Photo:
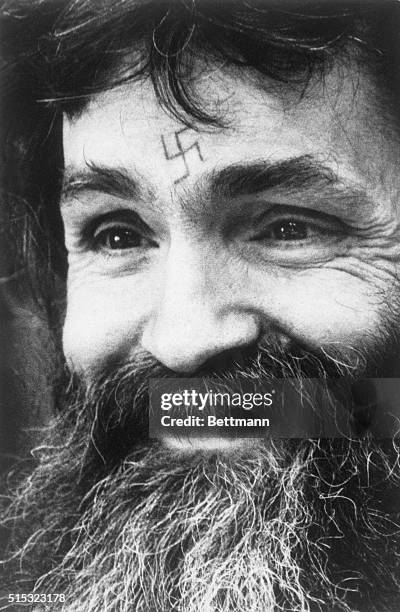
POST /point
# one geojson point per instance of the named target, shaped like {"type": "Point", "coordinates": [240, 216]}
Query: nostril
{"type": "Point", "coordinates": [228, 360]}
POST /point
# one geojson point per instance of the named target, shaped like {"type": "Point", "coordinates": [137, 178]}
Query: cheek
{"type": "Point", "coordinates": [104, 320]}
{"type": "Point", "coordinates": [320, 307]}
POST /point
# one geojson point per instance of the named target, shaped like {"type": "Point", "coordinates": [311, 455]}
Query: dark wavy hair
{"type": "Point", "coordinates": [56, 54]}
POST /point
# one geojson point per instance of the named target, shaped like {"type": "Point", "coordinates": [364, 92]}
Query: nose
{"type": "Point", "coordinates": [200, 314]}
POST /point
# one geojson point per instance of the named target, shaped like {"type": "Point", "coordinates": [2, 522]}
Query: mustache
{"type": "Point", "coordinates": [114, 405]}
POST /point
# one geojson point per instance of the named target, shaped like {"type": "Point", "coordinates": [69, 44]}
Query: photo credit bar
{"type": "Point", "coordinates": [282, 408]}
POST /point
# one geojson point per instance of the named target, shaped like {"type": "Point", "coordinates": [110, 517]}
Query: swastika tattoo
{"type": "Point", "coordinates": [180, 151]}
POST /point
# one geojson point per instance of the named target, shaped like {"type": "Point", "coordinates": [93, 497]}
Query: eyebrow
{"type": "Point", "coordinates": [299, 175]}
{"type": "Point", "coordinates": [293, 175]}
{"type": "Point", "coordinates": [94, 177]}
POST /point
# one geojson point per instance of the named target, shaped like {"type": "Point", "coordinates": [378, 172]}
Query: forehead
{"type": "Point", "coordinates": [333, 120]}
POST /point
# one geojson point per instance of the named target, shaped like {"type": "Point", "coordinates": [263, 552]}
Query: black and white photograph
{"type": "Point", "coordinates": [200, 305]}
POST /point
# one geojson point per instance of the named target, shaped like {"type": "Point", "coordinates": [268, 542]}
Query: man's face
{"type": "Point", "coordinates": [283, 225]}
{"type": "Point", "coordinates": [278, 232]}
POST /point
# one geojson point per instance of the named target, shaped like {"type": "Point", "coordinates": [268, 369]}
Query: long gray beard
{"type": "Point", "coordinates": [262, 530]}
{"type": "Point", "coordinates": [287, 525]}
{"type": "Point", "coordinates": [214, 535]}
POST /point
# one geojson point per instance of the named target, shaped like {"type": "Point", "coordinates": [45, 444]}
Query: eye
{"type": "Point", "coordinates": [297, 235]}
{"type": "Point", "coordinates": [294, 231]}
{"type": "Point", "coordinates": [117, 232]}
{"type": "Point", "coordinates": [289, 229]}
{"type": "Point", "coordinates": [294, 227]}
{"type": "Point", "coordinates": [118, 238]}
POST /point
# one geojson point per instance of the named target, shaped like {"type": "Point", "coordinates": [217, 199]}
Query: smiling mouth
{"type": "Point", "coordinates": [213, 444]}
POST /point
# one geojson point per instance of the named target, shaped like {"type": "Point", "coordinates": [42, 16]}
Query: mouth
{"type": "Point", "coordinates": [214, 444]}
